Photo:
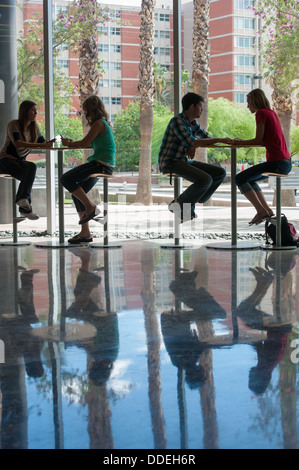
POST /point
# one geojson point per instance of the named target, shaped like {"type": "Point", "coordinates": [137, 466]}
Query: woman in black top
{"type": "Point", "coordinates": [22, 135]}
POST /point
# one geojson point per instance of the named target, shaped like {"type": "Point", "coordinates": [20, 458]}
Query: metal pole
{"type": "Point", "coordinates": [177, 89]}
{"type": "Point", "coordinates": [105, 211]}
{"type": "Point", "coordinates": [8, 90]}
{"type": "Point", "coordinates": [278, 211]}
{"type": "Point", "coordinates": [177, 56]}
{"type": "Point", "coordinates": [49, 114]}
{"type": "Point", "coordinates": [233, 196]}
{"type": "Point", "coordinates": [60, 196]}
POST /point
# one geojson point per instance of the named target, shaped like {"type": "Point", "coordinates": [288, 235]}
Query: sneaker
{"type": "Point", "coordinates": [24, 204]}
{"type": "Point", "coordinates": [175, 208]}
{"type": "Point", "coordinates": [31, 215]}
{"type": "Point", "coordinates": [184, 213]}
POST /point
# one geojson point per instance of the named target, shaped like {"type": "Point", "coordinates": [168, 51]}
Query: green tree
{"type": "Point", "coordinates": [84, 17]}
{"type": "Point", "coordinates": [127, 136]}
{"type": "Point", "coordinates": [279, 39]}
{"type": "Point", "coordinates": [71, 128]}
{"type": "Point", "coordinates": [126, 128]}
{"type": "Point", "coordinates": [278, 46]}
{"type": "Point", "coordinates": [295, 141]}
{"type": "Point", "coordinates": [229, 120]}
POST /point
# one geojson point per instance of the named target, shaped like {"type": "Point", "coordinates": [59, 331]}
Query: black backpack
{"type": "Point", "coordinates": [289, 235]}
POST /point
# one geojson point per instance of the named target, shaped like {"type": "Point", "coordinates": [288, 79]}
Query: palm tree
{"type": "Point", "coordinates": [88, 65]}
{"type": "Point", "coordinates": [146, 89]}
{"type": "Point", "coordinates": [201, 60]}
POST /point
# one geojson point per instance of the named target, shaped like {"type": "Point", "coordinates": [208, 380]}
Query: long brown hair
{"type": "Point", "coordinates": [94, 109]}
{"type": "Point", "coordinates": [25, 106]}
{"type": "Point", "coordinates": [259, 99]}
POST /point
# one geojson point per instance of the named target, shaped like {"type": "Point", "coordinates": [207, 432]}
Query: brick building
{"type": "Point", "coordinates": [119, 49]}
{"type": "Point", "coordinates": [234, 61]}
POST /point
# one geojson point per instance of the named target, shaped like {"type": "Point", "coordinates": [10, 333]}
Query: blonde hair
{"type": "Point", "coordinates": [258, 99]}
{"type": "Point", "coordinates": [94, 109]}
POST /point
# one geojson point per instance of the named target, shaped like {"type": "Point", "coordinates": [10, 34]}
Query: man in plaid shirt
{"type": "Point", "coordinates": [182, 136]}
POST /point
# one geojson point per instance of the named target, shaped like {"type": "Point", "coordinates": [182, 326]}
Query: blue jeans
{"type": "Point", "coordinates": [205, 178]}
{"type": "Point", "coordinates": [247, 180]}
{"type": "Point", "coordinates": [80, 177]}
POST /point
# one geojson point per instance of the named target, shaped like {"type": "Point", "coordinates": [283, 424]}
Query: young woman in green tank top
{"type": "Point", "coordinates": [78, 181]}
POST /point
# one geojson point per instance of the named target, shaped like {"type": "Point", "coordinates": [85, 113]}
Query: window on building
{"type": "Point", "coordinates": [115, 48]}
{"type": "Point", "coordinates": [111, 65]}
{"type": "Point", "coordinates": [115, 31]}
{"type": "Point", "coordinates": [103, 30]}
{"type": "Point", "coordinates": [242, 4]}
{"type": "Point", "coordinates": [244, 60]}
{"type": "Point", "coordinates": [243, 79]}
{"type": "Point", "coordinates": [115, 100]}
{"type": "Point", "coordinates": [103, 47]}
{"type": "Point", "coordinates": [243, 23]}
{"type": "Point", "coordinates": [59, 9]}
{"type": "Point", "coordinates": [240, 98]}
{"type": "Point", "coordinates": [105, 100]}
{"type": "Point", "coordinates": [244, 41]}
{"type": "Point", "coordinates": [162, 17]}
{"type": "Point", "coordinates": [103, 83]}
{"type": "Point", "coordinates": [162, 51]}
{"type": "Point", "coordinates": [64, 64]}
{"type": "Point", "coordinates": [114, 13]}
{"type": "Point", "coordinates": [162, 34]}
{"type": "Point", "coordinates": [116, 83]}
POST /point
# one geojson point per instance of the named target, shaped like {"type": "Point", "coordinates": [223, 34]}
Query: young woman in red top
{"type": "Point", "coordinates": [278, 159]}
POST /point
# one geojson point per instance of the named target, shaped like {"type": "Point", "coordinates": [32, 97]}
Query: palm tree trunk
{"type": "Point", "coordinates": [88, 69]}
{"type": "Point", "coordinates": [283, 106]}
{"type": "Point", "coordinates": [201, 61]}
{"type": "Point", "coordinates": [146, 90]}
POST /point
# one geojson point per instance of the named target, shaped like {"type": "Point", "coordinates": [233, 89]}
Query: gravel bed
{"type": "Point", "coordinates": [144, 235]}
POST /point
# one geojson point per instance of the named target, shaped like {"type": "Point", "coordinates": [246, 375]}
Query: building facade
{"type": "Point", "coordinates": [119, 50]}
{"type": "Point", "coordinates": [234, 59]}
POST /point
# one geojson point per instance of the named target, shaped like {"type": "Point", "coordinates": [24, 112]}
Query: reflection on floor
{"type": "Point", "coordinates": [145, 348]}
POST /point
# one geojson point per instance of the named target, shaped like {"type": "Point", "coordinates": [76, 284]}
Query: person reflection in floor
{"type": "Point", "coordinates": [277, 325]}
{"type": "Point", "coordinates": [21, 349]}
{"type": "Point", "coordinates": [180, 338]}
{"type": "Point", "coordinates": [103, 349]}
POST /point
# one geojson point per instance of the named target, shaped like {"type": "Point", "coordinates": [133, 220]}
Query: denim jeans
{"type": "Point", "coordinates": [24, 172]}
{"type": "Point", "coordinates": [80, 177]}
{"type": "Point", "coordinates": [205, 178]}
{"type": "Point", "coordinates": [247, 180]}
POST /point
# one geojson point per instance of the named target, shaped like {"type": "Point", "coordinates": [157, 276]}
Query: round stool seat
{"type": "Point", "coordinates": [277, 175]}
{"type": "Point", "coordinates": [101, 175]}
{"type": "Point", "coordinates": [174, 175]}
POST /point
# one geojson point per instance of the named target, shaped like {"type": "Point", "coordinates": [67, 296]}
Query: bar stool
{"type": "Point", "coordinates": [105, 218]}
{"type": "Point", "coordinates": [177, 189]}
{"type": "Point", "coordinates": [15, 218]}
{"type": "Point", "coordinates": [277, 219]}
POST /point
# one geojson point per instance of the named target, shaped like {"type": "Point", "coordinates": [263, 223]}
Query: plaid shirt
{"type": "Point", "coordinates": [178, 138]}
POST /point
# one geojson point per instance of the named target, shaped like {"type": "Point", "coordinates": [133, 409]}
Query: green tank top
{"type": "Point", "coordinates": [104, 146]}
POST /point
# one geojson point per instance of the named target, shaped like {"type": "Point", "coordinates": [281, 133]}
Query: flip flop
{"type": "Point", "coordinates": [259, 218]}
{"type": "Point", "coordinates": [76, 240]}
{"type": "Point", "coordinates": [89, 215]}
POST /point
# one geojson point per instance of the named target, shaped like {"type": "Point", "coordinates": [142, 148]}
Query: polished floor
{"type": "Point", "coordinates": [148, 348]}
